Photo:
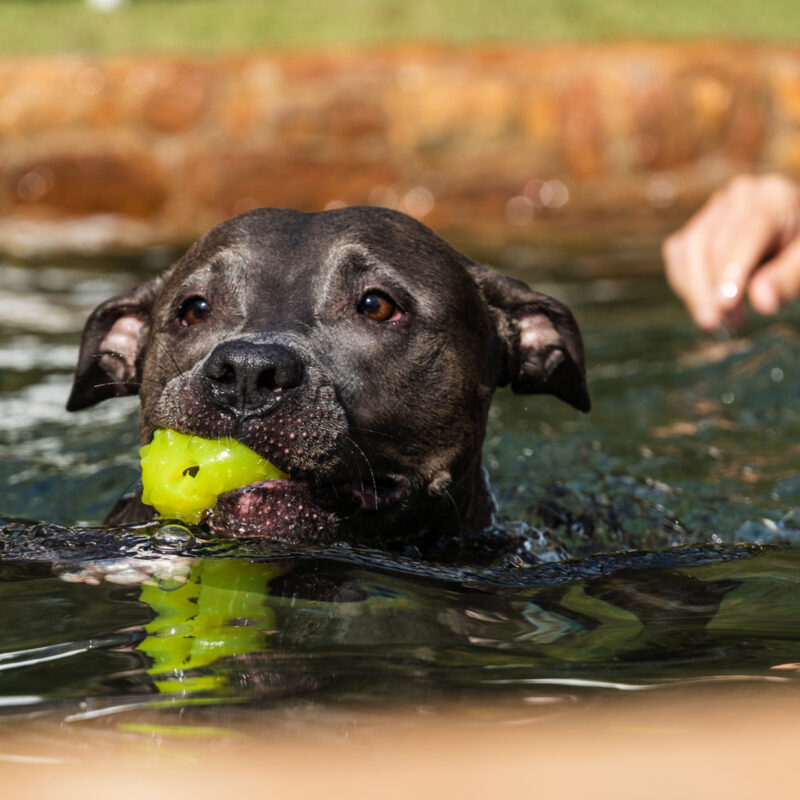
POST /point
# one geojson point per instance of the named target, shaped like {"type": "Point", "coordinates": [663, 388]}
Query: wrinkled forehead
{"type": "Point", "coordinates": [277, 254]}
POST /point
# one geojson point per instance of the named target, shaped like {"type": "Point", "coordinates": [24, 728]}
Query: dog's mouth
{"type": "Point", "coordinates": [296, 511]}
{"type": "Point", "coordinates": [320, 489]}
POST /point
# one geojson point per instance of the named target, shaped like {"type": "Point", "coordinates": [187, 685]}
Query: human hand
{"type": "Point", "coordinates": [745, 239]}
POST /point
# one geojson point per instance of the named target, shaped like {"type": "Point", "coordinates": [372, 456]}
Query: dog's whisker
{"type": "Point", "coordinates": [116, 383]}
{"type": "Point", "coordinates": [153, 382]}
{"type": "Point", "coordinates": [138, 383]}
{"type": "Point", "coordinates": [169, 354]}
{"type": "Point", "coordinates": [158, 384]}
{"type": "Point", "coordinates": [369, 466]}
{"type": "Point", "coordinates": [305, 325]}
{"type": "Point", "coordinates": [389, 436]}
{"type": "Point", "coordinates": [457, 512]}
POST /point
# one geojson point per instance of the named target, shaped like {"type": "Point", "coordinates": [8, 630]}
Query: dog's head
{"type": "Point", "coordinates": [354, 349]}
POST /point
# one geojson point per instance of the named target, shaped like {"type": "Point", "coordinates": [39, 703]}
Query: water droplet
{"type": "Point", "coordinates": [758, 531]}
{"type": "Point", "coordinates": [776, 374]}
{"type": "Point", "coordinates": [172, 538]}
{"type": "Point", "coordinates": [791, 520]}
{"type": "Point", "coordinates": [510, 561]}
{"type": "Point", "coordinates": [340, 545]}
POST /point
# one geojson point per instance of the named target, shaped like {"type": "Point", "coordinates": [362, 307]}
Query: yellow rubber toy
{"type": "Point", "coordinates": [182, 475]}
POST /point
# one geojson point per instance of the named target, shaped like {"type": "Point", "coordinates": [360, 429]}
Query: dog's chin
{"type": "Point", "coordinates": [279, 510]}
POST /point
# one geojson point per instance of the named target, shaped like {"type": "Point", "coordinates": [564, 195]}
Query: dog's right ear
{"type": "Point", "coordinates": [108, 363]}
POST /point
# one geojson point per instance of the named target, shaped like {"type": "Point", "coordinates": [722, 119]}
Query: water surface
{"type": "Point", "coordinates": [677, 499]}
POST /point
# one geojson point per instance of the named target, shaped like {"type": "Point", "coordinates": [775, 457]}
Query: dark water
{"type": "Point", "coordinates": [677, 500]}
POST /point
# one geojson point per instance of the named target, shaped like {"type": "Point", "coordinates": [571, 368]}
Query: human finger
{"type": "Point", "coordinates": [778, 281]}
{"type": "Point", "coordinates": [685, 256]}
{"type": "Point", "coordinates": [758, 214]}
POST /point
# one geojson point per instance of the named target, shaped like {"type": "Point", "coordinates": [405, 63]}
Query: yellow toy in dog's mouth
{"type": "Point", "coordinates": [182, 475]}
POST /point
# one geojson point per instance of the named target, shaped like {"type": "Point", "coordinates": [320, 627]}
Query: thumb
{"type": "Point", "coordinates": [777, 281]}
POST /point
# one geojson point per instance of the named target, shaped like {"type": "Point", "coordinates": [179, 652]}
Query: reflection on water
{"type": "Point", "coordinates": [203, 633]}
{"type": "Point", "coordinates": [690, 440]}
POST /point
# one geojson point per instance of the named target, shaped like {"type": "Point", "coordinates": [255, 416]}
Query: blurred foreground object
{"type": "Point", "coordinates": [738, 745]}
{"type": "Point", "coordinates": [744, 242]}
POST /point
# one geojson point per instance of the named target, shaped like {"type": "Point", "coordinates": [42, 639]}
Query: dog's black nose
{"type": "Point", "coordinates": [246, 376]}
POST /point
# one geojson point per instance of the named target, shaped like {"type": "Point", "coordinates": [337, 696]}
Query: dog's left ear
{"type": "Point", "coordinates": [108, 363]}
{"type": "Point", "coordinates": [541, 342]}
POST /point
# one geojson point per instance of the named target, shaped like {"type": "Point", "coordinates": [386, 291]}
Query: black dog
{"type": "Point", "coordinates": [353, 348]}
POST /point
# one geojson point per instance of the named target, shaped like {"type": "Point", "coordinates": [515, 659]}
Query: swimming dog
{"type": "Point", "coordinates": [353, 348]}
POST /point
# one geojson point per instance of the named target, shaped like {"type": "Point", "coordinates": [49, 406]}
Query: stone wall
{"type": "Point", "coordinates": [514, 142]}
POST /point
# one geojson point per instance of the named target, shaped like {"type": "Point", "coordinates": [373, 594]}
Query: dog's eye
{"type": "Point", "coordinates": [193, 311]}
{"type": "Point", "coordinates": [377, 306]}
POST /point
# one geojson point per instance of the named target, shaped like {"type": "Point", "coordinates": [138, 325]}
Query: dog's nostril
{"type": "Point", "coordinates": [266, 381]}
{"type": "Point", "coordinates": [269, 384]}
{"type": "Point", "coordinates": [226, 375]}
{"type": "Point", "coordinates": [220, 370]}
{"type": "Point", "coordinates": [280, 377]}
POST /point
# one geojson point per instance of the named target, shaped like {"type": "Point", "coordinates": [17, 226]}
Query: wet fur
{"type": "Point", "coordinates": [383, 433]}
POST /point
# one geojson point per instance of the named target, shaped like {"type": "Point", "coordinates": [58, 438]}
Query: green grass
{"type": "Point", "coordinates": [215, 26]}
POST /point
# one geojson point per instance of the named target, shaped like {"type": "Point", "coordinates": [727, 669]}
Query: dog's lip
{"type": "Point", "coordinates": [280, 510]}
{"type": "Point", "coordinates": [248, 496]}
{"type": "Point", "coordinates": [356, 496]}
{"type": "Point", "coordinates": [294, 511]}
{"type": "Point", "coordinates": [276, 484]}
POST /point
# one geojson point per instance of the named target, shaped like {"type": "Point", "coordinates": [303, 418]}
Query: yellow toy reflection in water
{"type": "Point", "coordinates": [182, 475]}
{"type": "Point", "coordinates": [220, 611]}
